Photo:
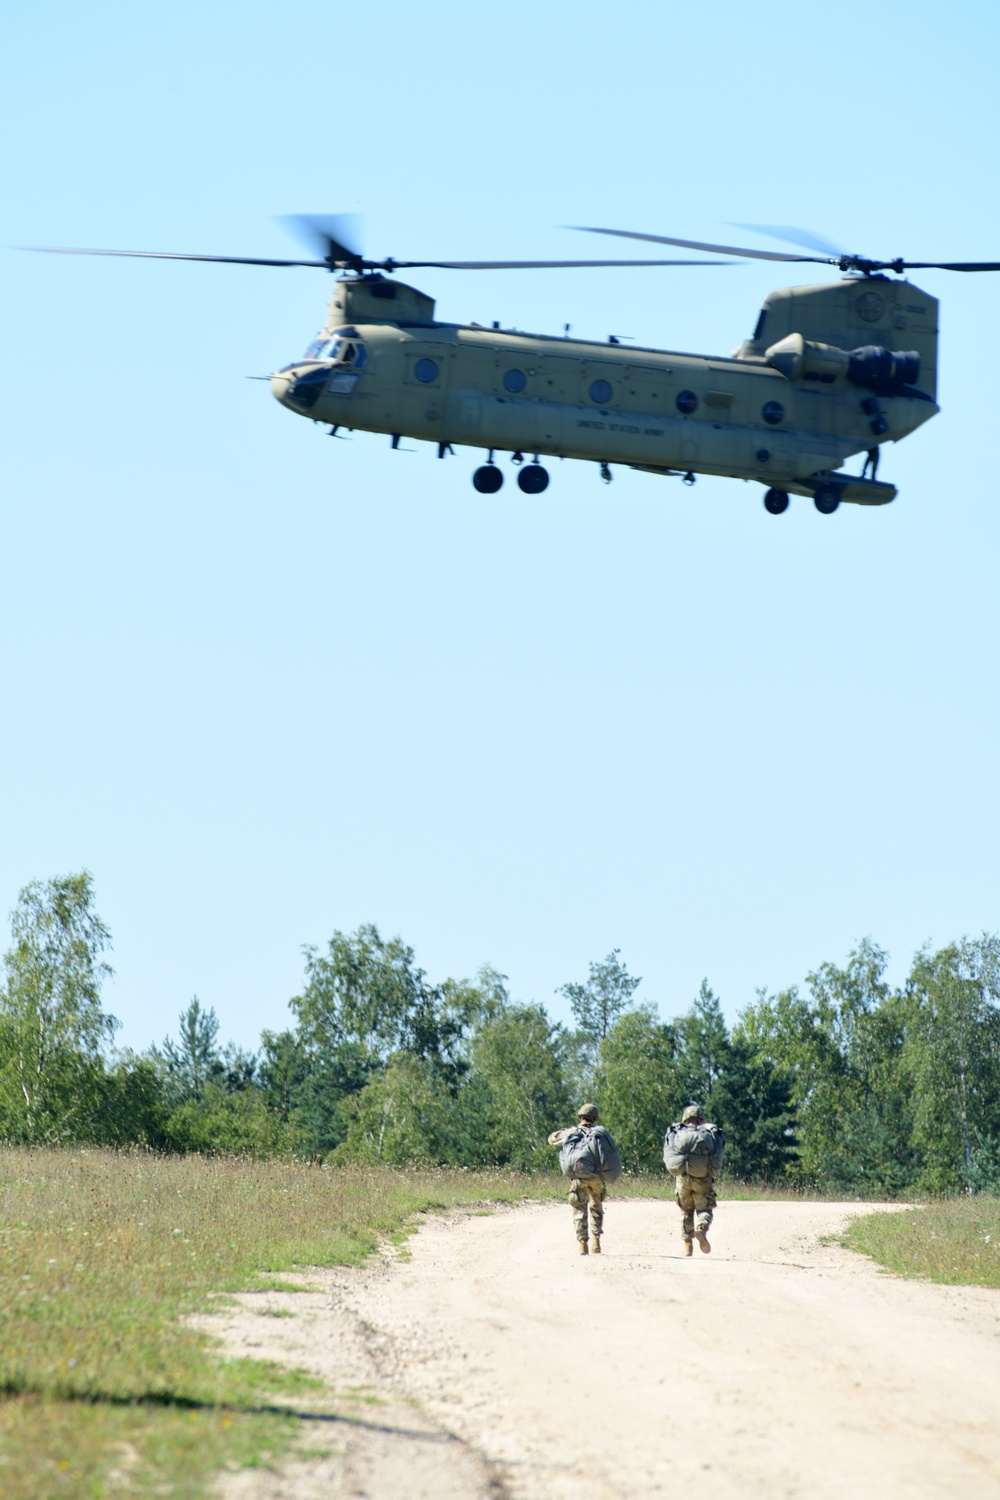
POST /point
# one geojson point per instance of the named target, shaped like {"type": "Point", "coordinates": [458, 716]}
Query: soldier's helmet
{"type": "Point", "coordinates": [587, 1112]}
{"type": "Point", "coordinates": [693, 1112]}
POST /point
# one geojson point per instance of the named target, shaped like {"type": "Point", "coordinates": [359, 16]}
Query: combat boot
{"type": "Point", "coordinates": [688, 1247]}
{"type": "Point", "coordinates": [595, 1245]}
{"type": "Point", "coordinates": [583, 1247]}
{"type": "Point", "coordinates": [702, 1237]}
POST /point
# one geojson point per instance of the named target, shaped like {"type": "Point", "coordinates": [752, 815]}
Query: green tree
{"type": "Point", "coordinates": [401, 1116]}
{"type": "Point", "coordinates": [517, 1091]}
{"type": "Point", "coordinates": [841, 1051]}
{"type": "Point", "coordinates": [638, 1086]}
{"type": "Point", "coordinates": [740, 1083]}
{"type": "Point", "coordinates": [231, 1122]}
{"type": "Point", "coordinates": [191, 1062]}
{"type": "Point", "coordinates": [282, 1071]}
{"type": "Point", "coordinates": [786, 1032]}
{"type": "Point", "coordinates": [704, 1046]}
{"type": "Point", "coordinates": [845, 999]}
{"type": "Point", "coordinates": [53, 1030]}
{"type": "Point", "coordinates": [752, 1101]}
{"type": "Point", "coordinates": [598, 1003]}
{"type": "Point", "coordinates": [952, 1056]}
{"type": "Point", "coordinates": [864, 1142]}
{"type": "Point", "coordinates": [128, 1107]}
{"type": "Point", "coordinates": [365, 999]}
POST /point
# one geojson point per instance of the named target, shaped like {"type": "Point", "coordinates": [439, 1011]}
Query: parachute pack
{"type": "Point", "coordinates": [694, 1149]}
{"type": "Point", "coordinates": [590, 1155]}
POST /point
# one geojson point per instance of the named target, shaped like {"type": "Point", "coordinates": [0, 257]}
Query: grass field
{"type": "Point", "coordinates": [102, 1256]}
{"type": "Point", "coordinates": [955, 1241]}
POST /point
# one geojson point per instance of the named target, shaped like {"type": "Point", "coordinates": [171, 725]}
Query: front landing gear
{"type": "Point", "coordinates": [776, 502]}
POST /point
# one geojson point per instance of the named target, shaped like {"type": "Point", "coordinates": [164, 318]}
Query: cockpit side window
{"type": "Point", "coordinates": [352, 353]}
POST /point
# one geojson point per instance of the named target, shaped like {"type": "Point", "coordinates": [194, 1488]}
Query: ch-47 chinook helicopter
{"type": "Point", "coordinates": [830, 371]}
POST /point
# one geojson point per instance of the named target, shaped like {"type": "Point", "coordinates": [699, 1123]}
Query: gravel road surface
{"type": "Point", "coordinates": [504, 1365]}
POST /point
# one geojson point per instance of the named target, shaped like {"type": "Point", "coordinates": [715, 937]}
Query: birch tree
{"type": "Point", "coordinates": [53, 1029]}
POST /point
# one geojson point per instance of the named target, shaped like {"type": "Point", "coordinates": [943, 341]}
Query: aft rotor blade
{"type": "Point", "coordinates": [529, 265]}
{"type": "Point", "coordinates": [229, 260]}
{"type": "Point", "coordinates": [952, 265]}
{"type": "Point", "coordinates": [663, 239]}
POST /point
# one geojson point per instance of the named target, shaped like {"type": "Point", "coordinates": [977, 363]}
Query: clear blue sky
{"type": "Point", "coordinates": [265, 685]}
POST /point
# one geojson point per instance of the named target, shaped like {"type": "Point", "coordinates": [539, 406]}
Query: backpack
{"type": "Point", "coordinates": [590, 1155]}
{"type": "Point", "coordinates": [694, 1149]}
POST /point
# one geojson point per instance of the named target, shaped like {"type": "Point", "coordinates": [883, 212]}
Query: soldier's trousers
{"type": "Point", "coordinates": [695, 1195]}
{"type": "Point", "coordinates": [584, 1195]}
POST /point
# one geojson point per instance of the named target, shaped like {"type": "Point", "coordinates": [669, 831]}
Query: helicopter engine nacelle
{"type": "Point", "coordinates": [801, 359]}
{"type": "Point", "coordinates": [874, 366]}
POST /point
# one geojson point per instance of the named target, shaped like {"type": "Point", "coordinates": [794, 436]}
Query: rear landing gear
{"type": "Point", "coordinates": [826, 499]}
{"type": "Point", "coordinates": [533, 479]}
{"type": "Point", "coordinates": [775, 502]}
{"type": "Point", "coordinates": [487, 479]}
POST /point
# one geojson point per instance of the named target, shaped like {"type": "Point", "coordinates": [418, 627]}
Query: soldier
{"type": "Point", "coordinates": [589, 1194]}
{"type": "Point", "coordinates": [692, 1152]}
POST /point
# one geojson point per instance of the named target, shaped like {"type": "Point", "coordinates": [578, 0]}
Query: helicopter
{"type": "Point", "coordinates": [829, 371]}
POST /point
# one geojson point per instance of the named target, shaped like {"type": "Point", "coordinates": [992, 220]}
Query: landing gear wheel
{"type": "Point", "coordinates": [487, 479]}
{"type": "Point", "coordinates": [775, 502]}
{"type": "Point", "coordinates": [533, 479]}
{"type": "Point", "coordinates": [826, 499]}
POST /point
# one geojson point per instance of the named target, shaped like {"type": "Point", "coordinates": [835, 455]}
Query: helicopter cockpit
{"type": "Point", "coordinates": [337, 359]}
{"type": "Point", "coordinates": [343, 347]}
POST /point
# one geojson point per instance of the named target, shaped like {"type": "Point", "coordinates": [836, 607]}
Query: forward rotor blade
{"type": "Point", "coordinates": [795, 236]}
{"type": "Point", "coordinates": [229, 260]}
{"type": "Point", "coordinates": [377, 265]}
{"type": "Point", "coordinates": [663, 239]}
{"type": "Point", "coordinates": [530, 265]}
{"type": "Point", "coordinates": [335, 236]}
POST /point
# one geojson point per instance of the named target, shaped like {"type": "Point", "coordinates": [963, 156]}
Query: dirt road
{"type": "Point", "coordinates": [508, 1366]}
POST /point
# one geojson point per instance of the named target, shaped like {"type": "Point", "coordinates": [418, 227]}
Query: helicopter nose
{"type": "Point", "coordinates": [280, 382]}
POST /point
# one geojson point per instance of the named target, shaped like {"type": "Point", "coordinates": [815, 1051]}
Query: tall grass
{"type": "Point", "coordinates": [102, 1256]}
{"type": "Point", "coordinates": [956, 1241]}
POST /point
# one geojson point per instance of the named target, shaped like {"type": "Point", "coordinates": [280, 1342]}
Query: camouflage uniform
{"type": "Point", "coordinates": [695, 1195]}
{"type": "Point", "coordinates": [694, 1192]}
{"type": "Point", "coordinates": [584, 1196]}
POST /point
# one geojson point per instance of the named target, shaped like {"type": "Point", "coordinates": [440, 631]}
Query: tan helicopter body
{"type": "Point", "coordinates": [787, 409]}
{"type": "Point", "coordinates": [830, 371]}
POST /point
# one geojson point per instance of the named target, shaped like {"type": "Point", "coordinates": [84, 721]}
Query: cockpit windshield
{"type": "Point", "coordinates": [347, 352]}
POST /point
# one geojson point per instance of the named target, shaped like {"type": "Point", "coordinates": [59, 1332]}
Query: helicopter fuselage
{"type": "Point", "coordinates": [823, 378]}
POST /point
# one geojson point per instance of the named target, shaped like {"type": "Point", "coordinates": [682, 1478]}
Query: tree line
{"type": "Point", "coordinates": [847, 1082]}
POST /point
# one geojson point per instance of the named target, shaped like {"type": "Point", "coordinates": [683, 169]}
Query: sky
{"type": "Point", "coordinates": [265, 685]}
